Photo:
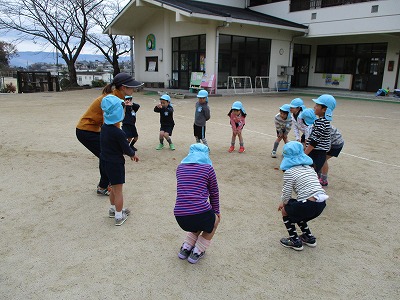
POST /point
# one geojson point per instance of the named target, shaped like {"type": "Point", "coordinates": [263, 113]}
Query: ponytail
{"type": "Point", "coordinates": [108, 89]}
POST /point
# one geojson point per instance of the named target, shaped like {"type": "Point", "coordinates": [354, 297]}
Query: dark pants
{"type": "Point", "coordinates": [91, 140]}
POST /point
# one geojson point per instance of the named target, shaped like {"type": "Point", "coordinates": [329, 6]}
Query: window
{"type": "Point", "coordinates": [342, 59]}
{"type": "Point", "coordinates": [152, 64]}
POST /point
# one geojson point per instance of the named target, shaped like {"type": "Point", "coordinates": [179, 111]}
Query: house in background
{"type": "Point", "coordinates": [342, 44]}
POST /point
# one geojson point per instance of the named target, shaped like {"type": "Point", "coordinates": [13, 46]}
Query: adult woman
{"type": "Point", "coordinates": [89, 125]}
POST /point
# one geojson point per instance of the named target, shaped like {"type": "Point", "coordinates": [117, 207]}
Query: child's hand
{"type": "Point", "coordinates": [281, 206]}
{"type": "Point", "coordinates": [159, 105]}
{"type": "Point", "coordinates": [135, 158]}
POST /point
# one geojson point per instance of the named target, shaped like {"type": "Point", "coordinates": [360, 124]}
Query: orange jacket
{"type": "Point", "coordinates": [92, 119]}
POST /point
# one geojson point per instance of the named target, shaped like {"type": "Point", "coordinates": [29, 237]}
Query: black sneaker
{"type": "Point", "coordinates": [184, 253]}
{"type": "Point", "coordinates": [310, 241]}
{"type": "Point", "coordinates": [292, 243]}
{"type": "Point", "coordinates": [194, 257]}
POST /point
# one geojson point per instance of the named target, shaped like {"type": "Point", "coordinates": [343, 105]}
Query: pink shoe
{"type": "Point", "coordinates": [231, 149]}
{"type": "Point", "coordinates": [241, 149]}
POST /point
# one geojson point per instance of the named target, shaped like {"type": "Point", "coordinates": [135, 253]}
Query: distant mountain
{"type": "Point", "coordinates": [27, 58]}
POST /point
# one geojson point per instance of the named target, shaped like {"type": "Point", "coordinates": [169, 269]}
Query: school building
{"type": "Point", "coordinates": [343, 44]}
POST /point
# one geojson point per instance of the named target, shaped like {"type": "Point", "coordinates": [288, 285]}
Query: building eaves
{"type": "Point", "coordinates": [217, 10]}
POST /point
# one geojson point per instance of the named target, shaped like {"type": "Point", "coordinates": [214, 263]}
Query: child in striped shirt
{"type": "Point", "coordinates": [197, 202]}
{"type": "Point", "coordinates": [319, 141]}
{"type": "Point", "coordinates": [300, 178]}
{"type": "Point", "coordinates": [283, 125]}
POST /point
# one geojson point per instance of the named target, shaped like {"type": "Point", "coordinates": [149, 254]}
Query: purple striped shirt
{"type": "Point", "coordinates": [196, 183]}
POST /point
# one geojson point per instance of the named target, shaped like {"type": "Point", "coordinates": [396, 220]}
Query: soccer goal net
{"type": "Point", "coordinates": [261, 84]}
{"type": "Point", "coordinates": [240, 84]}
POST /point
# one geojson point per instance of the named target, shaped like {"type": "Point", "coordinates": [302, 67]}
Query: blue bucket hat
{"type": "Point", "coordinates": [286, 108]}
{"type": "Point", "coordinates": [113, 111]}
{"type": "Point", "coordinates": [203, 94]}
{"type": "Point", "coordinates": [308, 116]}
{"type": "Point", "coordinates": [166, 98]}
{"type": "Point", "coordinates": [297, 102]}
{"type": "Point", "coordinates": [293, 155]}
{"type": "Point", "coordinates": [238, 106]}
{"type": "Point", "coordinates": [198, 154]}
{"type": "Point", "coordinates": [330, 102]}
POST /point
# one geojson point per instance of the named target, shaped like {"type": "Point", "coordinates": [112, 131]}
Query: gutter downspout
{"type": "Point", "coordinates": [291, 49]}
{"type": "Point", "coordinates": [132, 58]}
{"type": "Point", "coordinates": [224, 24]}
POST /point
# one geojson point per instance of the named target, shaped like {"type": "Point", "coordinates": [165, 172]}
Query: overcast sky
{"type": "Point", "coordinates": [29, 45]}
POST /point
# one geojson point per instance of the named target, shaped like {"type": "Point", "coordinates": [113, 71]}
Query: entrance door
{"type": "Point", "coordinates": [370, 66]}
{"type": "Point", "coordinates": [188, 55]}
{"type": "Point", "coordinates": [301, 63]}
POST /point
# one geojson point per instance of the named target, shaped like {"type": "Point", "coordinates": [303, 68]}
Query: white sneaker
{"type": "Point", "coordinates": [119, 222]}
{"type": "Point", "coordinates": [273, 154]}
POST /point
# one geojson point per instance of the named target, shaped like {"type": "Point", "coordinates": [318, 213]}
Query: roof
{"type": "Point", "coordinates": [138, 12]}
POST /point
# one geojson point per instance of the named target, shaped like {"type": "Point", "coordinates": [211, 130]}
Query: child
{"type": "Point", "coordinates": [196, 184]}
{"type": "Point", "coordinates": [300, 178]}
{"type": "Point", "coordinates": [237, 116]}
{"type": "Point", "coordinates": [128, 124]}
{"type": "Point", "coordinates": [296, 107]}
{"type": "Point", "coordinates": [319, 141]}
{"type": "Point", "coordinates": [201, 115]}
{"type": "Point", "coordinates": [114, 145]}
{"type": "Point", "coordinates": [308, 117]}
{"type": "Point", "coordinates": [337, 144]}
{"type": "Point", "coordinates": [166, 112]}
{"type": "Point", "coordinates": [283, 125]}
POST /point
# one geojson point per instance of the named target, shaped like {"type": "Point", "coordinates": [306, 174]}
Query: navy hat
{"type": "Point", "coordinates": [113, 111]}
{"type": "Point", "coordinates": [126, 80]}
{"type": "Point", "coordinates": [293, 155]}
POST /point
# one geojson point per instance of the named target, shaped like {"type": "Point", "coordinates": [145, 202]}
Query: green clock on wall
{"type": "Point", "coordinates": [150, 42]}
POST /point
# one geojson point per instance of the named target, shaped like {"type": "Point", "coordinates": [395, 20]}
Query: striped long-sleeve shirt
{"type": "Point", "coordinates": [282, 125]}
{"type": "Point", "coordinates": [337, 140]}
{"type": "Point", "coordinates": [320, 137]}
{"type": "Point", "coordinates": [196, 183]}
{"type": "Point", "coordinates": [303, 181]}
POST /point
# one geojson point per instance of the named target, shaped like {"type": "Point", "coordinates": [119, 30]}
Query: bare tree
{"type": "Point", "coordinates": [62, 23]}
{"type": "Point", "coordinates": [111, 46]}
{"type": "Point", "coordinates": [7, 51]}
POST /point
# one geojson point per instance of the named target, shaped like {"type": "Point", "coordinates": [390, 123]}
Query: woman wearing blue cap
{"type": "Point", "coordinates": [197, 202]}
{"type": "Point", "coordinates": [283, 124]}
{"type": "Point", "coordinates": [114, 145]}
{"type": "Point", "coordinates": [301, 179]}
{"type": "Point", "coordinates": [237, 116]}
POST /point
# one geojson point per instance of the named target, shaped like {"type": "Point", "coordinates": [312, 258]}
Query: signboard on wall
{"type": "Point", "coordinates": [150, 42]}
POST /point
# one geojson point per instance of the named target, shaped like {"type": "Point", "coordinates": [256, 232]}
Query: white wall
{"type": "Point", "coordinates": [341, 20]}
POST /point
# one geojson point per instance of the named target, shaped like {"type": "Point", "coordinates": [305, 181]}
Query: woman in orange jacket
{"type": "Point", "coordinates": [89, 125]}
